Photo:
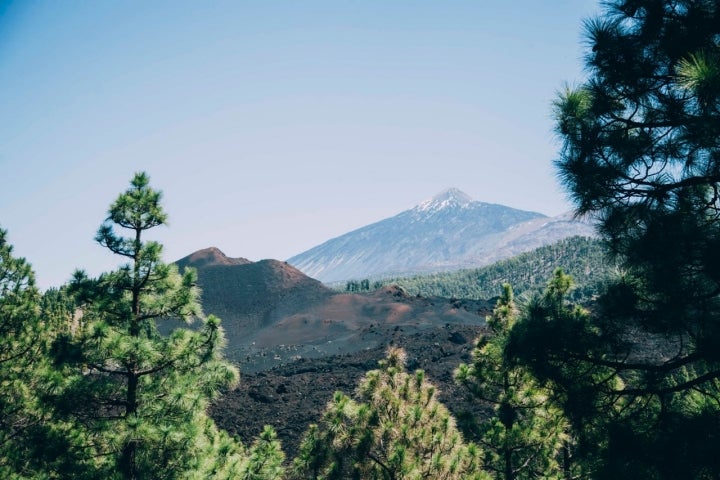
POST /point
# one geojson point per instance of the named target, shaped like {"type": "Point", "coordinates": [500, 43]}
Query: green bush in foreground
{"type": "Point", "coordinates": [396, 429]}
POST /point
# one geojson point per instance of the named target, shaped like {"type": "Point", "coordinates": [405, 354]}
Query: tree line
{"type": "Point", "coordinates": [624, 386]}
{"type": "Point", "coordinates": [583, 258]}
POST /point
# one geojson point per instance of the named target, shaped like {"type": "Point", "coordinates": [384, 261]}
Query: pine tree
{"type": "Point", "coordinates": [133, 401]}
{"type": "Point", "coordinates": [395, 430]}
{"type": "Point", "coordinates": [641, 153]}
{"type": "Point", "coordinates": [551, 338]}
{"type": "Point", "coordinates": [23, 343]}
{"type": "Point", "coordinates": [527, 437]}
{"type": "Point", "coordinates": [264, 459]}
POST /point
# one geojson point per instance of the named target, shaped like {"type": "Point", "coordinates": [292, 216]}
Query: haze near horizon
{"type": "Point", "coordinates": [271, 128]}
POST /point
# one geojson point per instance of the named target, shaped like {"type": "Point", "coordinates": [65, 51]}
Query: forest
{"type": "Point", "coordinates": [625, 384]}
{"type": "Point", "coordinates": [582, 258]}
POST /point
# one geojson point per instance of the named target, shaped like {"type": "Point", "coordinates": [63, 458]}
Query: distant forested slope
{"type": "Point", "coordinates": [581, 257]}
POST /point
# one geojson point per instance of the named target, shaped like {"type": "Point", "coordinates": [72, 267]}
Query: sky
{"type": "Point", "coordinates": [272, 126]}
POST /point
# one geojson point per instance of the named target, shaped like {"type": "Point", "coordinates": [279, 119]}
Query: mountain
{"type": "Point", "coordinates": [209, 257]}
{"type": "Point", "coordinates": [247, 295]}
{"type": "Point", "coordinates": [272, 313]}
{"type": "Point", "coordinates": [448, 232]}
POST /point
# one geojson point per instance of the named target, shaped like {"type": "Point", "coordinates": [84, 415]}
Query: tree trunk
{"type": "Point", "coordinates": [128, 464]}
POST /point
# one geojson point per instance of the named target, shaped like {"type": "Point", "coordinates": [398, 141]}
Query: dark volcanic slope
{"type": "Point", "coordinates": [246, 295]}
{"type": "Point", "coordinates": [208, 257]}
{"type": "Point", "coordinates": [347, 323]}
{"type": "Point", "coordinates": [291, 397]}
{"type": "Point", "coordinates": [274, 314]}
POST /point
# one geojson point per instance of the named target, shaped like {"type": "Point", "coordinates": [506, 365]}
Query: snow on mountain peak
{"type": "Point", "coordinates": [452, 197]}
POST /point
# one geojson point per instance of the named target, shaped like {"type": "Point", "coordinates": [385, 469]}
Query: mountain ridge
{"type": "Point", "coordinates": [210, 256]}
{"type": "Point", "coordinates": [448, 231]}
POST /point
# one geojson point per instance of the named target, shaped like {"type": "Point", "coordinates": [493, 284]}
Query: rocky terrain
{"type": "Point", "coordinates": [274, 314]}
{"type": "Point", "coordinates": [292, 396]}
{"type": "Point", "coordinates": [297, 342]}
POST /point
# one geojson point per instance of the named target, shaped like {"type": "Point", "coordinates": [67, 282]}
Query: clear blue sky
{"type": "Point", "coordinates": [271, 126]}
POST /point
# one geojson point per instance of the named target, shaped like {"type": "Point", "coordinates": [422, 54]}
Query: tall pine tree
{"type": "Point", "coordinates": [24, 339]}
{"type": "Point", "coordinates": [527, 436]}
{"type": "Point", "coordinates": [134, 400]}
{"type": "Point", "coordinates": [641, 153]}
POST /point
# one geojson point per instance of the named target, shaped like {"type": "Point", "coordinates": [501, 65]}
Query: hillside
{"type": "Point", "coordinates": [273, 314]}
{"type": "Point", "coordinates": [249, 295]}
{"type": "Point", "coordinates": [581, 257]}
{"type": "Point", "coordinates": [292, 396]}
{"type": "Point", "coordinates": [448, 232]}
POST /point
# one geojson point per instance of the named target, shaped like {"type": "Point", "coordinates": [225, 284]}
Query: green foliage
{"type": "Point", "coordinates": [21, 345]}
{"type": "Point", "coordinates": [548, 322]}
{"type": "Point", "coordinates": [29, 324]}
{"type": "Point", "coordinates": [264, 459]}
{"type": "Point", "coordinates": [582, 257]}
{"type": "Point", "coordinates": [396, 429]}
{"type": "Point", "coordinates": [640, 376]}
{"type": "Point", "coordinates": [224, 458]}
{"type": "Point", "coordinates": [91, 389]}
{"type": "Point", "coordinates": [358, 286]}
{"type": "Point", "coordinates": [631, 414]}
{"type": "Point", "coordinates": [528, 435]}
{"type": "Point", "coordinates": [131, 402]}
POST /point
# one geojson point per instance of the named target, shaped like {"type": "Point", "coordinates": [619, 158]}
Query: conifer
{"type": "Point", "coordinates": [23, 344]}
{"type": "Point", "coordinates": [133, 399]}
{"type": "Point", "coordinates": [640, 376]}
{"type": "Point", "coordinates": [527, 435]}
{"type": "Point", "coordinates": [395, 430]}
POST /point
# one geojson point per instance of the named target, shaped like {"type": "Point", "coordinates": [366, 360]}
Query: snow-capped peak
{"type": "Point", "coordinates": [452, 197]}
